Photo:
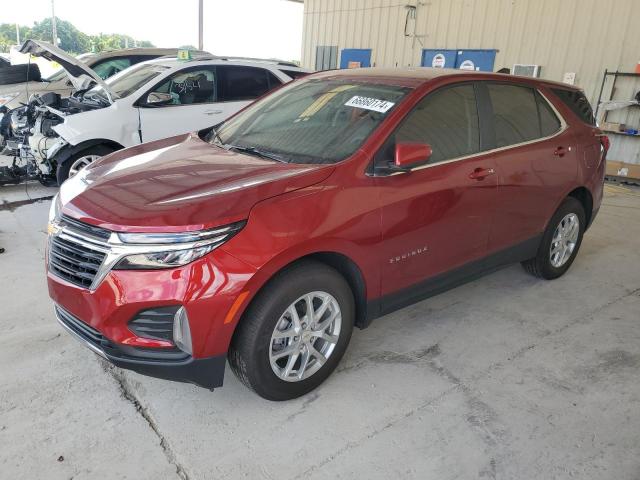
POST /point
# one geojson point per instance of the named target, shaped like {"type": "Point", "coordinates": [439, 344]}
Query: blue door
{"type": "Point", "coordinates": [480, 60]}
{"type": "Point", "coordinates": [439, 58]}
{"type": "Point", "coordinates": [355, 57]}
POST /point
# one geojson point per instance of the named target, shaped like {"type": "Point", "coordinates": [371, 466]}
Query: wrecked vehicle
{"type": "Point", "coordinates": [15, 89]}
{"type": "Point", "coordinates": [149, 101]}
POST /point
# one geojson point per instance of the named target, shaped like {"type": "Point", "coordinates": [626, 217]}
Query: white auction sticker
{"type": "Point", "coordinates": [369, 103]}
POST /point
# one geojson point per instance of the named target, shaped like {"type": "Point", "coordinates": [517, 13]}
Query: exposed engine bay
{"type": "Point", "coordinates": [30, 138]}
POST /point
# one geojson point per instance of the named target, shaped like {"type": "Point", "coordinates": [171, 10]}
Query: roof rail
{"type": "Point", "coordinates": [283, 63]}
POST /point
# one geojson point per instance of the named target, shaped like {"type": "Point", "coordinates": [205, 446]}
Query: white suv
{"type": "Point", "coordinates": [148, 101]}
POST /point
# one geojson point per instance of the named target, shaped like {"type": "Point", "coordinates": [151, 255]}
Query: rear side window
{"type": "Point", "coordinates": [447, 120]}
{"type": "Point", "coordinates": [578, 103]}
{"type": "Point", "coordinates": [294, 74]}
{"type": "Point", "coordinates": [515, 114]}
{"type": "Point", "coordinates": [242, 83]}
{"type": "Point", "coordinates": [549, 123]}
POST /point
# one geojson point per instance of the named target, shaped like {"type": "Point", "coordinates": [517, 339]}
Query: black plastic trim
{"type": "Point", "coordinates": [168, 364]}
{"type": "Point", "coordinates": [448, 280]}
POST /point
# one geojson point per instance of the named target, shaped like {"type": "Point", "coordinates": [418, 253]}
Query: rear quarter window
{"type": "Point", "coordinates": [577, 102]}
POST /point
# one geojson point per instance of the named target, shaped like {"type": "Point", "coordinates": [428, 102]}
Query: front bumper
{"type": "Point", "coordinates": [166, 364]}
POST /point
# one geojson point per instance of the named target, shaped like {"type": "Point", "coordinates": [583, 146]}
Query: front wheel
{"type": "Point", "coordinates": [80, 160]}
{"type": "Point", "coordinates": [560, 241]}
{"type": "Point", "coordinates": [294, 333]}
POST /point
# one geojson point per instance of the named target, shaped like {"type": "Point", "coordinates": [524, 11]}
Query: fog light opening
{"type": "Point", "coordinates": [182, 332]}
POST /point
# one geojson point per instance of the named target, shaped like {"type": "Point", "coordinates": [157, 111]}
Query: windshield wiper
{"type": "Point", "coordinates": [257, 152]}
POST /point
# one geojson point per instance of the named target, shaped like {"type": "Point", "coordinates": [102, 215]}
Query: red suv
{"type": "Point", "coordinates": [332, 201]}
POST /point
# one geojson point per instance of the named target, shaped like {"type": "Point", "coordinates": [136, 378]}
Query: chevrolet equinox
{"type": "Point", "coordinates": [333, 200]}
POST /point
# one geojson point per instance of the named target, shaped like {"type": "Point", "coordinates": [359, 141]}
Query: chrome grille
{"type": "Point", "coordinates": [74, 260]}
{"type": "Point", "coordinates": [85, 228]}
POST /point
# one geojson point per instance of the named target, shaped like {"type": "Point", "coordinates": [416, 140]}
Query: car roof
{"type": "Point", "coordinates": [174, 62]}
{"type": "Point", "coordinates": [138, 51]}
{"type": "Point", "coordinates": [416, 76]}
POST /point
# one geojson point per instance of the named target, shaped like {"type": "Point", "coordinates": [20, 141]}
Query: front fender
{"type": "Point", "coordinates": [117, 123]}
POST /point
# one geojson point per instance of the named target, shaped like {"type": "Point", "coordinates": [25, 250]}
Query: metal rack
{"type": "Point", "coordinates": [615, 76]}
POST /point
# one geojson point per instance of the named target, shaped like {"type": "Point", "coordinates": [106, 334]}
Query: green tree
{"type": "Point", "coordinates": [71, 39]}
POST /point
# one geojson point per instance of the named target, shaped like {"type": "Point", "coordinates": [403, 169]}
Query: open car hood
{"type": "Point", "coordinates": [81, 76]}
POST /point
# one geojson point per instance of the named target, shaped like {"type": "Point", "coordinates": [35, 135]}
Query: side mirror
{"type": "Point", "coordinates": [158, 98]}
{"type": "Point", "coordinates": [410, 155]}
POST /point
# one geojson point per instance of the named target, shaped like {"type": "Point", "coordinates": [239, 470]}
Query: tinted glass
{"type": "Point", "coordinates": [446, 119]}
{"type": "Point", "coordinates": [294, 74]}
{"type": "Point", "coordinates": [241, 83]}
{"type": "Point", "coordinates": [188, 87]}
{"type": "Point", "coordinates": [110, 67]}
{"type": "Point", "coordinates": [578, 103]}
{"type": "Point", "coordinates": [549, 123]}
{"type": "Point", "coordinates": [312, 121]}
{"type": "Point", "coordinates": [515, 114]}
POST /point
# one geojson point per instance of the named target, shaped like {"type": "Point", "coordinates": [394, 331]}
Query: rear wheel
{"type": "Point", "coordinates": [560, 242]}
{"type": "Point", "coordinates": [294, 333]}
{"type": "Point", "coordinates": [81, 160]}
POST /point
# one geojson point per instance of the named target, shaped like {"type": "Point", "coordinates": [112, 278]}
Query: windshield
{"type": "Point", "coordinates": [129, 80]}
{"type": "Point", "coordinates": [313, 121]}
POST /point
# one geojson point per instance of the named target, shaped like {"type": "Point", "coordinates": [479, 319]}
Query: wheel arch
{"type": "Point", "coordinates": [67, 152]}
{"type": "Point", "coordinates": [584, 196]}
{"type": "Point", "coordinates": [342, 263]}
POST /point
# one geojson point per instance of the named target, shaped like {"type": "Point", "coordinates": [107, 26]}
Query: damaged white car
{"type": "Point", "coordinates": [151, 100]}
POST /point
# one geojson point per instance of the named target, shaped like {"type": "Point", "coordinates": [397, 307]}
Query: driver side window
{"type": "Point", "coordinates": [190, 87]}
{"type": "Point", "coordinates": [447, 120]}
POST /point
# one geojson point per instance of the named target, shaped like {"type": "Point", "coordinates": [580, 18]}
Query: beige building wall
{"type": "Point", "coordinates": [562, 36]}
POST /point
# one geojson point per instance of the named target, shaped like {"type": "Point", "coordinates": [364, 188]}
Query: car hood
{"type": "Point", "coordinates": [81, 76]}
{"type": "Point", "coordinates": [179, 184]}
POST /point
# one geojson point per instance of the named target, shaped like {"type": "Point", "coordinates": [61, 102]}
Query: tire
{"type": "Point", "coordinates": [68, 166]}
{"type": "Point", "coordinates": [19, 74]}
{"type": "Point", "coordinates": [545, 264]}
{"type": "Point", "coordinates": [253, 346]}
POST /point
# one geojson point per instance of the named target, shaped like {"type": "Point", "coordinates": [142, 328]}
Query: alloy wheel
{"type": "Point", "coordinates": [564, 240]}
{"type": "Point", "coordinates": [81, 163]}
{"type": "Point", "coordinates": [305, 336]}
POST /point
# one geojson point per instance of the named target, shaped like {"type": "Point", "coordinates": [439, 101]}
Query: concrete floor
{"type": "Point", "coordinates": [506, 377]}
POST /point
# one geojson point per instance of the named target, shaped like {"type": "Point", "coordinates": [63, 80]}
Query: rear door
{"type": "Point", "coordinates": [436, 217]}
{"type": "Point", "coordinates": [238, 86]}
{"type": "Point", "coordinates": [535, 161]}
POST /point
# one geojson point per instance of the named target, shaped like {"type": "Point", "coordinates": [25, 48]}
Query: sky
{"type": "Point", "coordinates": [253, 28]}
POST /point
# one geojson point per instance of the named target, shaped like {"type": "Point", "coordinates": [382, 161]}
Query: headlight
{"type": "Point", "coordinates": [7, 97]}
{"type": "Point", "coordinates": [169, 250]}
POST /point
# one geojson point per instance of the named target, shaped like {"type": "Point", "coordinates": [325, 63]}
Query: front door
{"type": "Point", "coordinates": [192, 107]}
{"type": "Point", "coordinates": [202, 97]}
{"type": "Point", "coordinates": [437, 217]}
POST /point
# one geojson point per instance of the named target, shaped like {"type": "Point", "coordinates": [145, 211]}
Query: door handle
{"type": "Point", "coordinates": [481, 173]}
{"type": "Point", "coordinates": [559, 152]}
{"type": "Point", "coordinates": [212, 112]}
